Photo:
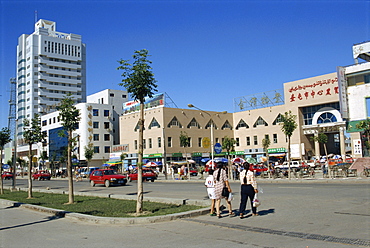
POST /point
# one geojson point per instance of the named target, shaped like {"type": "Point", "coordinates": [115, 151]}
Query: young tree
{"type": "Point", "coordinates": [4, 139]}
{"type": "Point", "coordinates": [228, 144]}
{"type": "Point", "coordinates": [122, 156]}
{"type": "Point", "coordinates": [323, 139]}
{"type": "Point", "coordinates": [32, 135]}
{"type": "Point", "coordinates": [138, 79]}
{"type": "Point", "coordinates": [89, 153]}
{"type": "Point", "coordinates": [365, 127]}
{"type": "Point", "coordinates": [288, 125]}
{"type": "Point", "coordinates": [266, 144]}
{"type": "Point", "coordinates": [184, 142]}
{"type": "Point", "coordinates": [70, 117]}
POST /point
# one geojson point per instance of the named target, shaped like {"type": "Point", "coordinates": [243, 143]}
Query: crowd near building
{"type": "Point", "coordinates": [52, 64]}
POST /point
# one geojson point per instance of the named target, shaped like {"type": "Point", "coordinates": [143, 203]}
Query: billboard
{"type": "Point", "coordinates": [152, 102]}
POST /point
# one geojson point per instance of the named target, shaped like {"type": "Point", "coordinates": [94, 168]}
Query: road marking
{"type": "Point", "coordinates": [325, 238]}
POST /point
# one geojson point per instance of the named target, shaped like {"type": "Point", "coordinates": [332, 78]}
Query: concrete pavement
{"type": "Point", "coordinates": [308, 215]}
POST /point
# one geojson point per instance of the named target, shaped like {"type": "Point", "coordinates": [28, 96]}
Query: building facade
{"type": "Point", "coordinates": [50, 64]}
{"type": "Point", "coordinates": [97, 128]}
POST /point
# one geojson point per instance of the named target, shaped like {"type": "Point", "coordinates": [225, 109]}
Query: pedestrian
{"type": "Point", "coordinates": [221, 181]}
{"type": "Point", "coordinates": [210, 184]}
{"type": "Point", "coordinates": [248, 189]}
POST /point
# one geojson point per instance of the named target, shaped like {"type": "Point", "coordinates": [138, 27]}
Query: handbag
{"type": "Point", "coordinates": [225, 192]}
{"type": "Point", "coordinates": [256, 202]}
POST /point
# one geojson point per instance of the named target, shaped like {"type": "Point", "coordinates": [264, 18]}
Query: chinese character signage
{"type": "Point", "coordinates": [357, 147]}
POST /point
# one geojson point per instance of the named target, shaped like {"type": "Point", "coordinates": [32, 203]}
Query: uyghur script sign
{"type": "Point", "coordinates": [324, 87]}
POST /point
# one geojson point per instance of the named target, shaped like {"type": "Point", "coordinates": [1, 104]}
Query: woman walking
{"type": "Point", "coordinates": [248, 189]}
{"type": "Point", "coordinates": [221, 181]}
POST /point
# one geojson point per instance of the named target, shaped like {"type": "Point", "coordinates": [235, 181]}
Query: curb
{"type": "Point", "coordinates": [114, 220]}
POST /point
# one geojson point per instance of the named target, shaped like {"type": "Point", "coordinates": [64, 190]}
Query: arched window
{"type": "Point", "coordinates": [242, 123]}
{"type": "Point", "coordinates": [260, 122]}
{"type": "Point", "coordinates": [193, 123]}
{"type": "Point", "coordinates": [226, 125]}
{"type": "Point", "coordinates": [326, 118]}
{"type": "Point", "coordinates": [174, 122]}
{"type": "Point", "coordinates": [154, 123]}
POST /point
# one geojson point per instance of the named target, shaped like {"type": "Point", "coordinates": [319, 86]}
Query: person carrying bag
{"type": "Point", "coordinates": [248, 189]}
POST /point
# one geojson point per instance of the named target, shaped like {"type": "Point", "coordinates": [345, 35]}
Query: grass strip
{"type": "Point", "coordinates": [97, 206]}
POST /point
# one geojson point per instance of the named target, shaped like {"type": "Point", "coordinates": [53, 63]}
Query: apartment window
{"type": "Point", "coordinates": [135, 144]}
{"type": "Point", "coordinates": [106, 149]}
{"type": "Point", "coordinates": [267, 137]}
{"type": "Point", "coordinates": [95, 112]}
{"type": "Point", "coordinates": [274, 138]}
{"type": "Point", "coordinates": [159, 142]}
{"type": "Point", "coordinates": [95, 124]}
{"type": "Point", "coordinates": [150, 143]}
{"type": "Point", "coordinates": [96, 137]}
{"type": "Point", "coordinates": [106, 125]}
{"type": "Point", "coordinates": [144, 143]}
{"type": "Point", "coordinates": [106, 113]}
{"type": "Point", "coordinates": [111, 94]}
{"type": "Point", "coordinates": [169, 141]}
{"type": "Point", "coordinates": [106, 137]}
{"type": "Point", "coordinates": [255, 141]}
{"type": "Point", "coordinates": [199, 142]}
{"type": "Point", "coordinates": [44, 123]}
{"type": "Point", "coordinates": [237, 143]}
{"type": "Point", "coordinates": [96, 149]}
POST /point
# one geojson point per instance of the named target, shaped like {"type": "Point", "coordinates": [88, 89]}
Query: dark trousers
{"type": "Point", "coordinates": [245, 192]}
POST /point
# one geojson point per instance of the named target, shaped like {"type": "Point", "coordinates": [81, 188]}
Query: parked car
{"type": "Point", "coordinates": [193, 171]}
{"type": "Point", "coordinates": [148, 175]}
{"type": "Point", "coordinates": [107, 177]}
{"type": "Point", "coordinates": [7, 175]}
{"type": "Point", "coordinates": [285, 165]}
{"type": "Point", "coordinates": [41, 175]}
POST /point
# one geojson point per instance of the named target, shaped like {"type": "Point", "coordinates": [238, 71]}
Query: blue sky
{"type": "Point", "coordinates": [204, 52]}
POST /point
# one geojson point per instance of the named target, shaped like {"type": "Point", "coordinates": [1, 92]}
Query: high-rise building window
{"type": "Point", "coordinates": [95, 112]}
{"type": "Point", "coordinates": [169, 141]}
{"type": "Point", "coordinates": [96, 149]}
{"type": "Point", "coordinates": [159, 142]}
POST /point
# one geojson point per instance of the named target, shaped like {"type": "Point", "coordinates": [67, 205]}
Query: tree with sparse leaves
{"type": "Point", "coordinates": [185, 142]}
{"type": "Point", "coordinates": [4, 139]}
{"type": "Point", "coordinates": [266, 144]}
{"type": "Point", "coordinates": [32, 135]}
{"type": "Point", "coordinates": [228, 144]}
{"type": "Point", "coordinates": [288, 125]}
{"type": "Point", "coordinates": [69, 117]}
{"type": "Point", "coordinates": [138, 79]}
{"type": "Point", "coordinates": [365, 127]}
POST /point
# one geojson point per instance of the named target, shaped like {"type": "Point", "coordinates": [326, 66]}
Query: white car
{"type": "Point", "coordinates": [293, 164]}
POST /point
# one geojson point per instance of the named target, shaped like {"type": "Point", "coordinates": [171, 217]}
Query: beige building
{"type": "Point", "coordinates": [332, 104]}
{"type": "Point", "coordinates": [315, 102]}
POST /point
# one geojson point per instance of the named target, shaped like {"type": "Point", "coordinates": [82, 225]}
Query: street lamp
{"type": "Point", "coordinates": [212, 148]}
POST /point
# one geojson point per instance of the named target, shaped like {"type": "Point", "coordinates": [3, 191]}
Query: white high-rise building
{"type": "Point", "coordinates": [50, 65]}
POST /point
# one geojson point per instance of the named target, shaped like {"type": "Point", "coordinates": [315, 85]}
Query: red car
{"type": "Point", "coordinates": [41, 175]}
{"type": "Point", "coordinates": [148, 175]}
{"type": "Point", "coordinates": [107, 177]}
{"type": "Point", "coordinates": [7, 175]}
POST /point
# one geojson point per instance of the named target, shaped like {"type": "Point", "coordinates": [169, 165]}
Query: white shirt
{"type": "Point", "coordinates": [210, 182]}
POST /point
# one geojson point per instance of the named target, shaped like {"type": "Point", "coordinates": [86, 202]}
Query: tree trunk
{"type": "Point", "coordinates": [327, 160]}
{"type": "Point", "coordinates": [289, 174]}
{"type": "Point", "coordinates": [29, 175]}
{"type": "Point", "coordinates": [1, 172]}
{"type": "Point", "coordinates": [69, 169]}
{"type": "Point", "coordinates": [139, 203]}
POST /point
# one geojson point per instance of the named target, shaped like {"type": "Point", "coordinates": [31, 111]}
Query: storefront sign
{"type": "Point", "coordinates": [120, 148]}
{"type": "Point", "coordinates": [155, 155]}
{"type": "Point", "coordinates": [206, 142]}
{"type": "Point", "coordinates": [342, 84]}
{"type": "Point", "coordinates": [276, 150]}
{"type": "Point", "coordinates": [357, 147]}
{"type": "Point", "coordinates": [320, 88]}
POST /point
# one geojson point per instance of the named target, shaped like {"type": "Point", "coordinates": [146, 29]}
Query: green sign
{"type": "Point", "coordinates": [177, 154]}
{"type": "Point", "coordinates": [276, 150]}
{"type": "Point", "coordinates": [196, 154]}
{"type": "Point", "coordinates": [154, 155]}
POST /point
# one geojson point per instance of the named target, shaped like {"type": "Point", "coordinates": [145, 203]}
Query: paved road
{"type": "Point", "coordinates": [292, 214]}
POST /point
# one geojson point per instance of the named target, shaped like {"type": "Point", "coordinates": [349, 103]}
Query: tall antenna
{"type": "Point", "coordinates": [12, 107]}
{"type": "Point", "coordinates": [35, 16]}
